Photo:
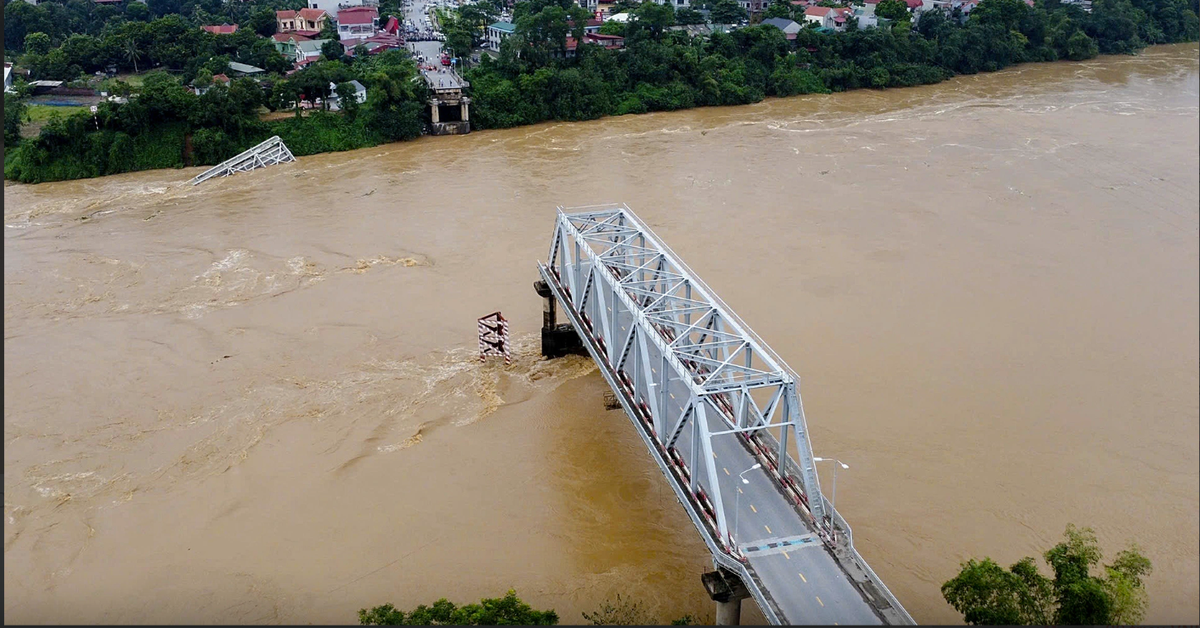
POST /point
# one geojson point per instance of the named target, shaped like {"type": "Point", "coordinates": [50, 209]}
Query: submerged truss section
{"type": "Point", "coordinates": [268, 153]}
{"type": "Point", "coordinates": [694, 370]}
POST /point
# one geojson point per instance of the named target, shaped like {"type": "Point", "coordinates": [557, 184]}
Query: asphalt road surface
{"type": "Point", "coordinates": [805, 581]}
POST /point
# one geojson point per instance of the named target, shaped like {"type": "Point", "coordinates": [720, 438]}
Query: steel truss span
{"type": "Point", "coordinates": [711, 399]}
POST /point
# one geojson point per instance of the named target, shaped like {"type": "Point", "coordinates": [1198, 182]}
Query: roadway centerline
{"type": "Point", "coordinates": [803, 578]}
{"type": "Point", "coordinates": [753, 508]}
{"type": "Point", "coordinates": [819, 600]}
{"type": "Point", "coordinates": [726, 471]}
{"type": "Point", "coordinates": [768, 529]}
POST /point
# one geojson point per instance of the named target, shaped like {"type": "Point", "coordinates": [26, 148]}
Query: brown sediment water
{"type": "Point", "coordinates": [259, 399]}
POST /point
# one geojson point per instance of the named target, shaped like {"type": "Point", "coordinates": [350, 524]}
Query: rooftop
{"type": "Point", "coordinates": [223, 29]}
{"type": "Point", "coordinates": [507, 27]}
{"type": "Point", "coordinates": [357, 15]}
{"type": "Point", "coordinates": [244, 68]}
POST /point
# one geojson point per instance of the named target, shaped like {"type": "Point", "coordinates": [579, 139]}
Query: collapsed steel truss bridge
{"type": "Point", "coordinates": [708, 395]}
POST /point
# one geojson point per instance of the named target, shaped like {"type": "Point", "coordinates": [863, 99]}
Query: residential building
{"type": "Point", "coordinates": [498, 32]}
{"type": "Point", "coordinates": [355, 22]}
{"type": "Point", "coordinates": [309, 51]}
{"type": "Point", "coordinates": [242, 69]}
{"type": "Point", "coordinates": [334, 7]}
{"type": "Point", "coordinates": [335, 101]}
{"type": "Point", "coordinates": [789, 28]}
{"type": "Point", "coordinates": [678, 4]}
{"type": "Point", "coordinates": [285, 43]}
{"type": "Point", "coordinates": [611, 42]}
{"type": "Point", "coordinates": [374, 45]}
{"type": "Point", "coordinates": [754, 6]}
{"type": "Point", "coordinates": [8, 88]}
{"type": "Point", "coordinates": [866, 17]}
{"type": "Point", "coordinates": [308, 22]}
{"type": "Point", "coordinates": [829, 17]}
{"type": "Point", "coordinates": [819, 16]}
{"type": "Point", "coordinates": [224, 29]}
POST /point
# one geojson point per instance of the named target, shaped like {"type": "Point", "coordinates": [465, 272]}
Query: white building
{"type": "Point", "coordinates": [357, 22]}
{"type": "Point", "coordinates": [8, 78]}
{"type": "Point", "coordinates": [498, 32]}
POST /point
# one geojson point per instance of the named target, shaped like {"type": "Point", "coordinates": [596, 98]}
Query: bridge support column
{"type": "Point", "coordinates": [557, 340]}
{"type": "Point", "coordinates": [726, 589]}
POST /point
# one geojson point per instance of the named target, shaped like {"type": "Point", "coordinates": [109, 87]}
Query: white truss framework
{"type": "Point", "coordinates": [268, 153]}
{"type": "Point", "coordinates": [660, 328]}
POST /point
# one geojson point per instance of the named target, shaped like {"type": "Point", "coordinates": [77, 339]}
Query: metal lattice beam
{"type": "Point", "coordinates": [663, 329]}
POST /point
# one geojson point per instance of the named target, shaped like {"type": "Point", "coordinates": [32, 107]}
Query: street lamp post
{"type": "Point", "coordinates": [833, 499]}
{"type": "Point", "coordinates": [737, 502]}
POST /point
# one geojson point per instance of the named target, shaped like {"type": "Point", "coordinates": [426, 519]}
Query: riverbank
{"type": "Point", "coordinates": [657, 70]}
{"type": "Point", "coordinates": [997, 268]}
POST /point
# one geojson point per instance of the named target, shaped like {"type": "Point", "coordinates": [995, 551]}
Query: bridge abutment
{"type": "Point", "coordinates": [557, 340]}
{"type": "Point", "coordinates": [726, 589]}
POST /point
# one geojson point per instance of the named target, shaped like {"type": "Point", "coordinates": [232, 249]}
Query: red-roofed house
{"type": "Point", "coordinates": [304, 20]}
{"type": "Point", "coordinates": [819, 16]}
{"type": "Point", "coordinates": [355, 22]}
{"type": "Point", "coordinates": [840, 15]}
{"type": "Point", "coordinates": [375, 44]}
{"type": "Point", "coordinates": [224, 29]}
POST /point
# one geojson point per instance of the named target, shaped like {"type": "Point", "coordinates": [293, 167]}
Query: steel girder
{"type": "Point", "coordinates": [268, 153]}
{"type": "Point", "coordinates": [695, 370]}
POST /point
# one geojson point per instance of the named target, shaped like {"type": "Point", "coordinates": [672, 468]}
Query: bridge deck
{"type": "Point", "coordinates": [701, 388]}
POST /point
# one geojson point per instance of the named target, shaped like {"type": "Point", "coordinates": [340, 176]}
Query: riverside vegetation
{"type": "Point", "coordinates": [989, 595]}
{"type": "Point", "coordinates": [165, 124]}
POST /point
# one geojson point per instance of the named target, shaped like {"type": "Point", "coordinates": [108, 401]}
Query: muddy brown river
{"type": "Point", "coordinates": [259, 399]}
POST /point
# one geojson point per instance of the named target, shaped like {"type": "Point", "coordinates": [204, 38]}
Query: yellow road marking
{"type": "Point", "coordinates": [739, 490]}
{"type": "Point", "coordinates": [819, 600]}
{"type": "Point", "coordinates": [802, 577]}
{"type": "Point", "coordinates": [672, 395]}
{"type": "Point", "coordinates": [785, 555]}
{"type": "Point", "coordinates": [753, 508]}
{"type": "Point", "coordinates": [726, 471]}
{"type": "Point", "coordinates": [714, 455]}
{"type": "Point", "coordinates": [768, 530]}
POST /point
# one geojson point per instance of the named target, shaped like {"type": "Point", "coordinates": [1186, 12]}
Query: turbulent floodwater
{"type": "Point", "coordinates": [258, 400]}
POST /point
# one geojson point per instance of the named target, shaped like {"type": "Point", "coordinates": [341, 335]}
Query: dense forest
{"type": "Point", "coordinates": [166, 124]}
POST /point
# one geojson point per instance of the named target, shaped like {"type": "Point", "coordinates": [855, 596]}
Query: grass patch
{"type": "Point", "coordinates": [41, 113]}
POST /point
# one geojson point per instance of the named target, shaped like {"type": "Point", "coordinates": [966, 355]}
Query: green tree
{"type": "Point", "coordinates": [37, 43]}
{"type": "Point", "coordinates": [895, 10]}
{"type": "Point", "coordinates": [987, 594]}
{"type": "Point", "coordinates": [619, 612]}
{"type": "Point", "coordinates": [726, 12]}
{"type": "Point", "coordinates": [348, 100]}
{"type": "Point", "coordinates": [131, 53]}
{"type": "Point", "coordinates": [204, 79]}
{"type": "Point", "coordinates": [508, 610]}
{"type": "Point", "coordinates": [780, 9]}
{"type": "Point", "coordinates": [683, 17]}
{"type": "Point", "coordinates": [333, 50]}
{"type": "Point", "coordinates": [137, 11]}
{"type": "Point", "coordinates": [14, 112]}
{"type": "Point", "coordinates": [653, 18]}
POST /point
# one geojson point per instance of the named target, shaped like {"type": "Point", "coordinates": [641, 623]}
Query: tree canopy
{"type": "Point", "coordinates": [506, 611]}
{"type": "Point", "coordinates": [988, 595]}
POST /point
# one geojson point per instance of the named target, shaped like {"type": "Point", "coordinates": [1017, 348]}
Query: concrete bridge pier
{"type": "Point", "coordinates": [726, 589]}
{"type": "Point", "coordinates": [557, 340]}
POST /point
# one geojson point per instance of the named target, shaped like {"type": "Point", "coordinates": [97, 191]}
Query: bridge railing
{"type": "Point", "coordinates": [720, 556]}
